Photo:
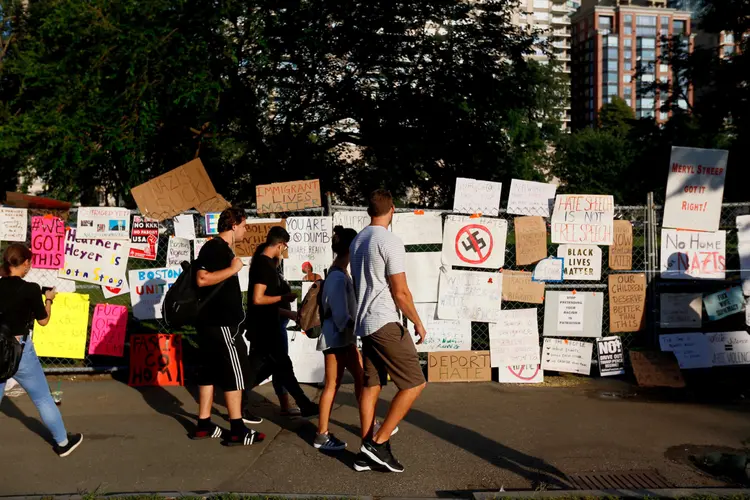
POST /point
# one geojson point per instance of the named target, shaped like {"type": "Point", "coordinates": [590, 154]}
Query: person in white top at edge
{"type": "Point", "coordinates": [379, 274]}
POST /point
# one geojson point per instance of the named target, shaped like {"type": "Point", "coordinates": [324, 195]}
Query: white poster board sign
{"type": "Point", "coordinates": [692, 350]}
{"type": "Point", "coordinates": [573, 314]}
{"type": "Point", "coordinates": [101, 262]}
{"type": "Point", "coordinates": [583, 219]}
{"type": "Point", "coordinates": [423, 275]}
{"type": "Point", "coordinates": [148, 287]}
{"type": "Point", "coordinates": [184, 226]}
{"type": "Point", "coordinates": [549, 270]}
{"type": "Point", "coordinates": [743, 248]}
{"type": "Point", "coordinates": [197, 245]}
{"type": "Point", "coordinates": [729, 348]}
{"type": "Point", "coordinates": [308, 362]}
{"type": "Point", "coordinates": [49, 277]}
{"type": "Point", "coordinates": [520, 374]}
{"type": "Point", "coordinates": [582, 262]}
{"type": "Point", "coordinates": [178, 250]}
{"type": "Point", "coordinates": [470, 295]}
{"type": "Point", "coordinates": [695, 188]}
{"type": "Point", "coordinates": [569, 356]}
{"type": "Point", "coordinates": [681, 310]}
{"type": "Point", "coordinates": [419, 227]}
{"type": "Point", "coordinates": [14, 223]}
{"type": "Point", "coordinates": [355, 219]}
{"type": "Point", "coordinates": [474, 242]}
{"type": "Point", "coordinates": [310, 243]}
{"type": "Point", "coordinates": [442, 334]}
{"type": "Point", "coordinates": [477, 197]}
{"type": "Point", "coordinates": [531, 198]}
{"type": "Point", "coordinates": [514, 339]}
{"type": "Point", "coordinates": [105, 223]}
{"type": "Point", "coordinates": [693, 255]}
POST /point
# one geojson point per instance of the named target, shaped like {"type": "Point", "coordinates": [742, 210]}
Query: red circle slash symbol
{"type": "Point", "coordinates": [520, 373]}
{"type": "Point", "coordinates": [474, 244]}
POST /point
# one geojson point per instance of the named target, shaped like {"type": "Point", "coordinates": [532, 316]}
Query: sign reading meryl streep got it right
{"type": "Point", "coordinates": [288, 196]}
{"type": "Point", "coordinates": [583, 219]}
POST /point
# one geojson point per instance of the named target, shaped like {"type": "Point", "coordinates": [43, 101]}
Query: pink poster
{"type": "Point", "coordinates": [108, 330]}
{"type": "Point", "coordinates": [47, 242]}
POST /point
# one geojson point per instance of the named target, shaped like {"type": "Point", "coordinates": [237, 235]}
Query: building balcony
{"type": "Point", "coordinates": [560, 21]}
{"type": "Point", "coordinates": [561, 33]}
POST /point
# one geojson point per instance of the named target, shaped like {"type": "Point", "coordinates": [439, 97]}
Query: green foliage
{"type": "Point", "coordinates": [616, 117]}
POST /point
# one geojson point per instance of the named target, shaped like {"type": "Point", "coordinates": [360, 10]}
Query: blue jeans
{"type": "Point", "coordinates": [31, 377]}
{"type": "Point", "coordinates": [278, 387]}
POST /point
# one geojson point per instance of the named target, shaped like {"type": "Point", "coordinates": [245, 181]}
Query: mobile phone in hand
{"type": "Point", "coordinates": [46, 289]}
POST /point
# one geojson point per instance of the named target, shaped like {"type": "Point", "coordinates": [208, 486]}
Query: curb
{"type": "Point", "coordinates": [655, 493]}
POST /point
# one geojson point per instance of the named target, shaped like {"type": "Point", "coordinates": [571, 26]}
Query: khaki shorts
{"type": "Point", "coordinates": [391, 351]}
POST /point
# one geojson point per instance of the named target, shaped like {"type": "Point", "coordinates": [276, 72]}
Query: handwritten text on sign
{"type": "Point", "coordinates": [621, 251]}
{"type": "Point", "coordinates": [724, 303]}
{"type": "Point", "coordinates": [310, 243]}
{"type": "Point", "coordinates": [101, 262]}
{"type": "Point", "coordinates": [627, 302]}
{"type": "Point", "coordinates": [582, 262]}
{"type": "Point", "coordinates": [688, 254]}
{"type": "Point", "coordinates": [13, 224]}
{"type": "Point", "coordinates": [155, 359]}
{"type": "Point", "coordinates": [514, 340]}
{"type": "Point", "coordinates": [583, 219]}
{"type": "Point", "coordinates": [476, 242]}
{"type": "Point", "coordinates": [568, 356]}
{"type": "Point", "coordinates": [444, 335]}
{"type": "Point", "coordinates": [470, 295]}
{"type": "Point", "coordinates": [255, 235]}
{"type": "Point", "coordinates": [148, 287]}
{"type": "Point", "coordinates": [47, 242]}
{"type": "Point", "coordinates": [65, 334]}
{"type": "Point", "coordinates": [108, 330]}
{"type": "Point", "coordinates": [461, 366]}
{"type": "Point", "coordinates": [288, 196]}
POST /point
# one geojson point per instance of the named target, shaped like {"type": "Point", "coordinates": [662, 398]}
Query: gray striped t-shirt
{"type": "Point", "coordinates": [376, 254]}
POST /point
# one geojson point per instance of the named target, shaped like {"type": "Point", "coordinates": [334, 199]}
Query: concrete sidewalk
{"type": "Point", "coordinates": [459, 438]}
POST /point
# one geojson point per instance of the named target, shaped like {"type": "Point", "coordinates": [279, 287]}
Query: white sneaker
{"type": "Point", "coordinates": [378, 424]}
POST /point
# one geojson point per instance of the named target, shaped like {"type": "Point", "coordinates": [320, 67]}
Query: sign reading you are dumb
{"type": "Point", "coordinates": [288, 196]}
{"type": "Point", "coordinates": [583, 219]}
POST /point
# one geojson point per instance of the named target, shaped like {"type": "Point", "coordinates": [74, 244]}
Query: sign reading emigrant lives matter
{"type": "Point", "coordinates": [459, 366]}
{"type": "Point", "coordinates": [611, 358]}
{"type": "Point", "coordinates": [621, 251]}
{"type": "Point", "coordinates": [695, 188]}
{"type": "Point", "coordinates": [583, 219]}
{"type": "Point", "coordinates": [474, 242]}
{"type": "Point", "coordinates": [693, 255]}
{"type": "Point", "coordinates": [288, 196]}
{"type": "Point", "coordinates": [155, 359]}
{"type": "Point", "coordinates": [627, 302]}
{"type": "Point", "coordinates": [582, 262]}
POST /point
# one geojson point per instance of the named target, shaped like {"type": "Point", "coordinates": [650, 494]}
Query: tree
{"type": "Point", "coordinates": [616, 117]}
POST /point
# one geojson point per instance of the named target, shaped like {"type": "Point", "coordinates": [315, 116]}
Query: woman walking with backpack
{"type": "Point", "coordinates": [20, 304]}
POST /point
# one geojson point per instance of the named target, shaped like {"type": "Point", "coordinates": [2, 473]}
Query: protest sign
{"type": "Point", "coordinates": [148, 288]}
{"type": "Point", "coordinates": [198, 244]}
{"type": "Point", "coordinates": [308, 362]}
{"type": "Point", "coordinates": [569, 356]}
{"type": "Point", "coordinates": [65, 334]}
{"type": "Point", "coordinates": [531, 198]}
{"type": "Point", "coordinates": [743, 248]}
{"type": "Point", "coordinates": [144, 238]}
{"type": "Point", "coordinates": [255, 235]}
{"type": "Point", "coordinates": [108, 223]}
{"type": "Point", "coordinates": [419, 227]}
{"type": "Point", "coordinates": [21, 200]}
{"type": "Point", "coordinates": [184, 227]}
{"type": "Point", "coordinates": [695, 188]}
{"type": "Point", "coordinates": [573, 314]}
{"type": "Point", "coordinates": [50, 277]}
{"type": "Point", "coordinates": [611, 358]}
{"type": "Point", "coordinates": [729, 348]}
{"type": "Point", "coordinates": [459, 366]}
{"type": "Point", "coordinates": [244, 276]}
{"type": "Point", "coordinates": [47, 242]}
{"type": "Point", "coordinates": [724, 303]}
{"type": "Point", "coordinates": [155, 360]}
{"type": "Point", "coordinates": [309, 247]}
{"type": "Point", "coordinates": [114, 291]}
{"type": "Point", "coordinates": [549, 270]}
{"type": "Point", "coordinates": [101, 262]}
{"type": "Point", "coordinates": [518, 287]}
{"type": "Point", "coordinates": [108, 328]}
{"type": "Point", "coordinates": [531, 239]}
{"type": "Point", "coordinates": [477, 197]}
{"type": "Point", "coordinates": [470, 295]}
{"type": "Point", "coordinates": [656, 369]}
{"type": "Point", "coordinates": [627, 302]}
{"type": "Point", "coordinates": [581, 262]}
{"type": "Point", "coordinates": [423, 275]}
{"type": "Point", "coordinates": [14, 224]}
{"type": "Point", "coordinates": [178, 250]}
{"type": "Point", "coordinates": [693, 255]}
{"type": "Point", "coordinates": [680, 310]}
{"type": "Point", "coordinates": [621, 251]}
{"type": "Point", "coordinates": [288, 196]}
{"type": "Point", "coordinates": [520, 374]}
{"type": "Point", "coordinates": [474, 242]}
{"type": "Point", "coordinates": [583, 219]}
{"type": "Point", "coordinates": [442, 334]}
{"type": "Point", "coordinates": [176, 191]}
{"type": "Point", "coordinates": [357, 220]}
{"type": "Point", "coordinates": [514, 339]}
{"type": "Point", "coordinates": [692, 350]}
{"type": "Point", "coordinates": [211, 223]}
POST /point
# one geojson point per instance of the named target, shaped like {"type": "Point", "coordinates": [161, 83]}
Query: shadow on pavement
{"type": "Point", "coordinates": [35, 425]}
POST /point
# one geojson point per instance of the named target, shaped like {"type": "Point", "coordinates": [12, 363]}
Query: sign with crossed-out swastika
{"type": "Point", "coordinates": [478, 242]}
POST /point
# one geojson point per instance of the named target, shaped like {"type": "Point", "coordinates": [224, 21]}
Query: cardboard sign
{"type": "Point", "coordinates": [583, 219]}
{"type": "Point", "coordinates": [155, 360]}
{"type": "Point", "coordinates": [729, 348]}
{"type": "Point", "coordinates": [521, 374]}
{"type": "Point", "coordinates": [695, 188]}
{"type": "Point", "coordinates": [531, 198]}
{"type": "Point", "coordinates": [144, 238]}
{"type": "Point", "coordinates": [288, 196]}
{"type": "Point", "coordinates": [178, 251]}
{"type": "Point", "coordinates": [581, 262]}
{"type": "Point", "coordinates": [103, 223]}
{"type": "Point", "coordinates": [47, 242]}
{"type": "Point", "coordinates": [478, 242]}
{"type": "Point", "coordinates": [460, 366]}
{"type": "Point", "coordinates": [549, 270]}
{"type": "Point", "coordinates": [308, 362]}
{"type": "Point", "coordinates": [627, 302]}
{"type": "Point", "coordinates": [680, 310]}
{"type": "Point", "coordinates": [14, 223]}
{"type": "Point", "coordinates": [20, 200]}
{"type": "Point", "coordinates": [573, 314]}
{"type": "Point", "coordinates": [569, 356]}
{"type": "Point", "coordinates": [724, 303]}
{"type": "Point", "coordinates": [148, 288]}
{"type": "Point", "coordinates": [477, 197]}
{"type": "Point", "coordinates": [101, 262]}
{"type": "Point", "coordinates": [531, 240]}
{"type": "Point", "coordinates": [176, 191]}
{"type": "Point", "coordinates": [309, 246]}
{"type": "Point", "coordinates": [255, 235]}
{"type": "Point", "coordinates": [656, 369]}
{"type": "Point", "coordinates": [423, 228]}
{"type": "Point", "coordinates": [217, 204]}
{"type": "Point", "coordinates": [184, 227]}
{"type": "Point", "coordinates": [518, 287]}
{"type": "Point", "coordinates": [423, 275]}
{"type": "Point", "coordinates": [691, 349]}
{"type": "Point", "coordinates": [442, 334]}
{"type": "Point", "coordinates": [621, 251]}
{"type": "Point", "coordinates": [514, 339]}
{"type": "Point", "coordinates": [108, 328]}
{"type": "Point", "coordinates": [357, 220]}
{"type": "Point", "coordinates": [211, 223]}
{"type": "Point", "coordinates": [470, 295]}
{"type": "Point", "coordinates": [611, 358]}
{"type": "Point", "coordinates": [65, 334]}
{"type": "Point", "coordinates": [693, 255]}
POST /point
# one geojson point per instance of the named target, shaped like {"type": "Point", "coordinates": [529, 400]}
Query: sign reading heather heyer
{"type": "Point", "coordinates": [103, 223]}
{"type": "Point", "coordinates": [695, 188]}
{"type": "Point", "coordinates": [477, 197]}
{"type": "Point", "coordinates": [144, 238]}
{"type": "Point", "coordinates": [148, 288]}
{"type": "Point", "coordinates": [477, 242]}
{"type": "Point", "coordinates": [530, 198]}
{"type": "Point", "coordinates": [310, 242]}
{"type": "Point", "coordinates": [288, 196]}
{"type": "Point", "coordinates": [101, 262]}
{"type": "Point", "coordinates": [693, 255]}
{"type": "Point", "coordinates": [583, 219]}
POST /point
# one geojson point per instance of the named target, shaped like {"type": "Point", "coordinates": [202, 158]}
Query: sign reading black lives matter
{"type": "Point", "coordinates": [611, 358]}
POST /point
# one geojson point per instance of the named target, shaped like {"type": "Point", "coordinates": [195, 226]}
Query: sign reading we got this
{"type": "Point", "coordinates": [583, 219]}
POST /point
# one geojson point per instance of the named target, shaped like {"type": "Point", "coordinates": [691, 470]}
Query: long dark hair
{"type": "Point", "coordinates": [342, 239]}
{"type": "Point", "coordinates": [14, 256]}
{"type": "Point", "coordinates": [276, 235]}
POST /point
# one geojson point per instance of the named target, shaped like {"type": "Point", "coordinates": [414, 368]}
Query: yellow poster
{"type": "Point", "coordinates": [65, 334]}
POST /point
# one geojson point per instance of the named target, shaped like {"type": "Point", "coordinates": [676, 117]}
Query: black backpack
{"type": "Point", "coordinates": [10, 351]}
{"type": "Point", "coordinates": [182, 302]}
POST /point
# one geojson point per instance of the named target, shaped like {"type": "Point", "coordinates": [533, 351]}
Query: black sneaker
{"type": "Point", "coordinates": [362, 463]}
{"type": "Point", "coordinates": [328, 442]}
{"type": "Point", "coordinates": [74, 440]}
{"type": "Point", "coordinates": [381, 454]}
{"type": "Point", "coordinates": [214, 432]}
{"type": "Point", "coordinates": [250, 419]}
{"type": "Point", "coordinates": [309, 411]}
{"type": "Point", "coordinates": [245, 439]}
